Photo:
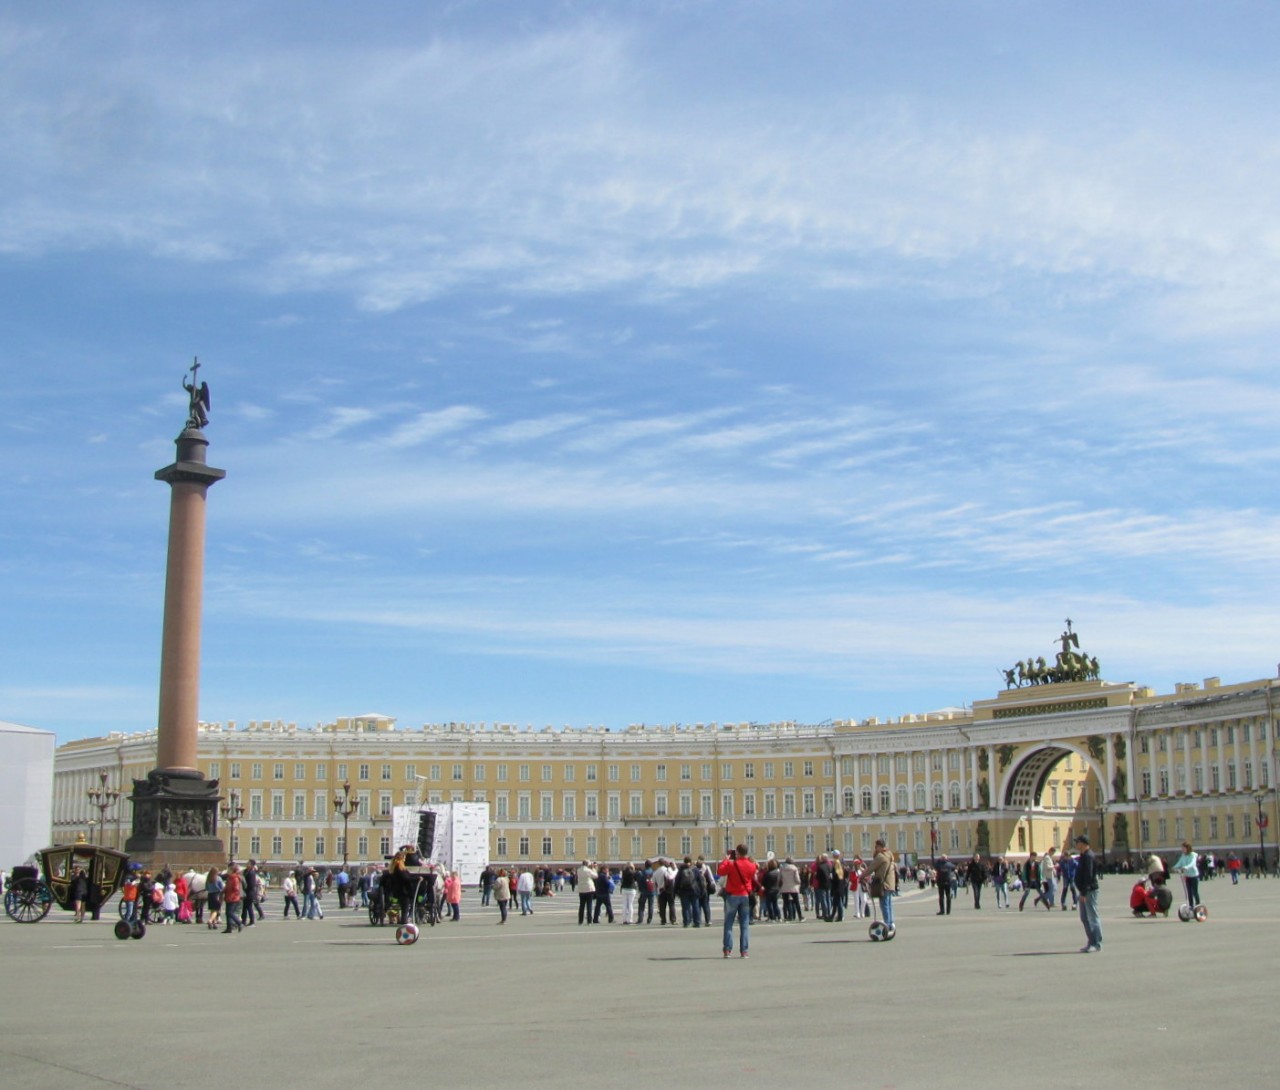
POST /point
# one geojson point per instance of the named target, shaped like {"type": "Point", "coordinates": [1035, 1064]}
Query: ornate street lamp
{"type": "Point", "coordinates": [727, 825]}
{"type": "Point", "coordinates": [102, 799]}
{"type": "Point", "coordinates": [344, 806]}
{"type": "Point", "coordinates": [1258, 796]}
{"type": "Point", "coordinates": [232, 812]}
{"type": "Point", "coordinates": [933, 836]}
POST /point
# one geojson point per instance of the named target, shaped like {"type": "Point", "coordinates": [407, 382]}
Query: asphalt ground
{"type": "Point", "coordinates": [976, 999]}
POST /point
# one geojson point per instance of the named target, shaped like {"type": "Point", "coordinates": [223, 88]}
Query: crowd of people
{"type": "Point", "coordinates": [680, 892]}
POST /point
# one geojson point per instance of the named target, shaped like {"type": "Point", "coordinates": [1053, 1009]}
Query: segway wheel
{"type": "Point", "coordinates": [123, 929]}
{"type": "Point", "coordinates": [879, 932]}
{"type": "Point", "coordinates": [1185, 913]}
{"type": "Point", "coordinates": [137, 930]}
{"type": "Point", "coordinates": [407, 934]}
{"type": "Point", "coordinates": [889, 932]}
{"type": "Point", "coordinates": [1202, 913]}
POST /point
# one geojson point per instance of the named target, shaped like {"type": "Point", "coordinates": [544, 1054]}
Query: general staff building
{"type": "Point", "coordinates": [1035, 765]}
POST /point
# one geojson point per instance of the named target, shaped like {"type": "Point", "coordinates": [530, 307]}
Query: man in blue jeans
{"type": "Point", "coordinates": [1087, 885]}
{"type": "Point", "coordinates": [739, 872]}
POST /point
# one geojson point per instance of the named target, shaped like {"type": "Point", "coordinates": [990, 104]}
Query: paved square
{"type": "Point", "coordinates": [976, 999]}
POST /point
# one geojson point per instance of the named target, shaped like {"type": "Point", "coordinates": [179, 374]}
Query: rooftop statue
{"type": "Point", "coordinates": [1069, 665]}
{"type": "Point", "coordinates": [198, 412]}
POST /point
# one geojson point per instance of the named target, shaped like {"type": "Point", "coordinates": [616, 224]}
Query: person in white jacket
{"type": "Point", "coordinates": [524, 887]}
{"type": "Point", "coordinates": [586, 892]}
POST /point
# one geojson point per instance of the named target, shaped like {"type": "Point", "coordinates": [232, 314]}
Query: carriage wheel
{"type": "Point", "coordinates": [29, 903]}
{"type": "Point", "coordinates": [407, 934]}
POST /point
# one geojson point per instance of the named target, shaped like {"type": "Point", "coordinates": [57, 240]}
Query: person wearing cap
{"type": "Point", "coordinates": [1087, 885]}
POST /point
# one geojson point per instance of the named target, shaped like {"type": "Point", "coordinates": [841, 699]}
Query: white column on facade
{"type": "Point", "coordinates": [975, 799]}
{"type": "Point", "coordinates": [964, 784]}
{"type": "Point", "coordinates": [1253, 756]}
{"type": "Point", "coordinates": [1108, 791]}
{"type": "Point", "coordinates": [1130, 768]}
{"type": "Point", "coordinates": [1188, 783]}
{"type": "Point", "coordinates": [875, 783]}
{"type": "Point", "coordinates": [997, 802]}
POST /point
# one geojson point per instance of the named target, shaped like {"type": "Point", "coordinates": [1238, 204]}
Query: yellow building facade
{"type": "Point", "coordinates": [1034, 766]}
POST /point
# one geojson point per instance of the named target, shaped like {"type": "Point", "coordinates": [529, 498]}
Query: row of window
{"type": "Point", "coordinates": [1161, 779]}
{"type": "Point", "coordinates": [884, 764]}
{"type": "Point", "coordinates": [1196, 736]}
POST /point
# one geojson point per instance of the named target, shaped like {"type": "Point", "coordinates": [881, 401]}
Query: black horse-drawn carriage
{"type": "Point", "coordinates": [32, 891]}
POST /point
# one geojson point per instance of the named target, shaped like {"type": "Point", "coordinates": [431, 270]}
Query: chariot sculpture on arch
{"type": "Point", "coordinates": [1070, 664]}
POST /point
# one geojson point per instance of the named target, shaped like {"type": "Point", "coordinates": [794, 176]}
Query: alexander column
{"type": "Point", "coordinates": [175, 809]}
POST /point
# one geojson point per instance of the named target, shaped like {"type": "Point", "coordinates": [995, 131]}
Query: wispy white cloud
{"type": "Point", "coordinates": [432, 425]}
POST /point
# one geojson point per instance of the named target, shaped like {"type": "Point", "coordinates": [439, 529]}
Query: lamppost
{"type": "Point", "coordinates": [344, 806]}
{"type": "Point", "coordinates": [102, 800]}
{"type": "Point", "coordinates": [1258, 796]}
{"type": "Point", "coordinates": [727, 825]}
{"type": "Point", "coordinates": [232, 812]}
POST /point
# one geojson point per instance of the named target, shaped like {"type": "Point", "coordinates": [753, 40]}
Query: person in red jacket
{"type": "Point", "coordinates": [739, 872]}
{"type": "Point", "coordinates": [232, 895]}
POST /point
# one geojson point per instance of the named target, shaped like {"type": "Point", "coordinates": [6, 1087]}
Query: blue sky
{"type": "Point", "coordinates": [597, 364]}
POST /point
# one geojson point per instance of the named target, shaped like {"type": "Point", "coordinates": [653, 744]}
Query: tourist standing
{"type": "Point", "coordinates": [644, 887]}
{"type": "Point", "coordinates": [944, 873]}
{"type": "Point", "coordinates": [213, 887]}
{"type": "Point", "coordinates": [628, 893]}
{"type": "Point", "coordinates": [502, 893]}
{"type": "Point", "coordinates": [524, 887]}
{"type": "Point", "coordinates": [1067, 875]}
{"type": "Point", "coordinates": [689, 890]}
{"type": "Point", "coordinates": [233, 895]}
{"type": "Point", "coordinates": [249, 901]}
{"type": "Point", "coordinates": [604, 891]}
{"type": "Point", "coordinates": [453, 895]}
{"type": "Point", "coordinates": [586, 882]}
{"type": "Point", "coordinates": [739, 871]}
{"type": "Point", "coordinates": [1087, 886]}
{"type": "Point", "coordinates": [79, 893]}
